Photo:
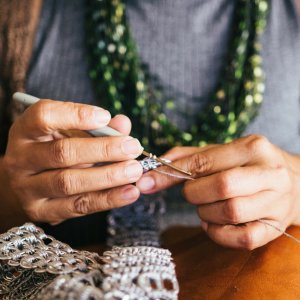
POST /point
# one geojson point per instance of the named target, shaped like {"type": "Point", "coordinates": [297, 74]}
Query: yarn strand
{"type": "Point", "coordinates": [290, 236]}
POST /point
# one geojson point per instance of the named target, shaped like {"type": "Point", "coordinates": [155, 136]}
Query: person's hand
{"type": "Point", "coordinates": [51, 162]}
{"type": "Point", "coordinates": [236, 185]}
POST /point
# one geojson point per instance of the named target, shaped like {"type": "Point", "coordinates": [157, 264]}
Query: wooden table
{"type": "Point", "coordinates": [208, 271]}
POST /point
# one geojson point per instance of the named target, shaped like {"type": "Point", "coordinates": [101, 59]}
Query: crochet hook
{"type": "Point", "coordinates": [104, 131]}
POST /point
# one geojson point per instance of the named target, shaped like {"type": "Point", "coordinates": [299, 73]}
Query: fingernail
{"type": "Point", "coordinates": [133, 171]}
{"type": "Point", "coordinates": [130, 194]}
{"type": "Point", "coordinates": [146, 183]}
{"type": "Point", "coordinates": [131, 146]}
{"type": "Point", "coordinates": [204, 225]}
{"type": "Point", "coordinates": [101, 116]}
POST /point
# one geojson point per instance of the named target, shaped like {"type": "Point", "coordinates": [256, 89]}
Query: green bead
{"type": "Point", "coordinates": [217, 109]}
{"type": "Point", "coordinates": [140, 85]}
{"type": "Point", "coordinates": [120, 30]}
{"type": "Point", "coordinates": [241, 49]}
{"type": "Point", "coordinates": [258, 98]}
{"type": "Point", "coordinates": [145, 141]}
{"type": "Point", "coordinates": [187, 136]}
{"type": "Point", "coordinates": [162, 117]}
{"type": "Point", "coordinates": [220, 94]}
{"type": "Point", "coordinates": [202, 144]}
{"type": "Point", "coordinates": [232, 128]}
{"type": "Point", "coordinates": [221, 118]}
{"type": "Point", "coordinates": [170, 104]}
{"type": "Point", "coordinates": [249, 85]}
{"type": "Point", "coordinates": [101, 45]}
{"type": "Point", "coordinates": [119, 11]}
{"type": "Point", "coordinates": [112, 90]}
{"type": "Point", "coordinates": [122, 49]}
{"type": "Point", "coordinates": [244, 118]}
{"type": "Point", "coordinates": [228, 140]}
{"type": "Point", "coordinates": [258, 72]}
{"type": "Point", "coordinates": [104, 59]}
{"type": "Point", "coordinates": [141, 102]}
{"type": "Point", "coordinates": [249, 100]}
{"type": "Point", "coordinates": [111, 48]}
{"type": "Point", "coordinates": [238, 73]}
{"type": "Point", "coordinates": [117, 105]}
{"type": "Point", "coordinates": [260, 87]}
{"type": "Point", "coordinates": [263, 6]}
{"type": "Point", "coordinates": [231, 116]}
{"type": "Point", "coordinates": [155, 125]}
{"type": "Point", "coordinates": [107, 75]}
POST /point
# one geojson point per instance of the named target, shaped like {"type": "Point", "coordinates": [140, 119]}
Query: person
{"type": "Point", "coordinates": [48, 171]}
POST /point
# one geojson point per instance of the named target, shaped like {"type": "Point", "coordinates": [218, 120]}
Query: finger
{"type": "Point", "coordinates": [247, 236]}
{"type": "Point", "coordinates": [217, 158]}
{"type": "Point", "coordinates": [75, 151]}
{"type": "Point", "coordinates": [55, 211]}
{"type": "Point", "coordinates": [67, 182]}
{"type": "Point", "coordinates": [177, 153]}
{"type": "Point", "coordinates": [233, 183]}
{"type": "Point", "coordinates": [248, 150]}
{"type": "Point", "coordinates": [48, 116]}
{"type": "Point", "coordinates": [121, 123]}
{"type": "Point", "coordinates": [180, 152]}
{"type": "Point", "coordinates": [240, 209]}
{"type": "Point", "coordinates": [151, 183]}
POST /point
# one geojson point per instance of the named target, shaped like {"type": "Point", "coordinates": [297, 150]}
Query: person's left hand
{"type": "Point", "coordinates": [235, 186]}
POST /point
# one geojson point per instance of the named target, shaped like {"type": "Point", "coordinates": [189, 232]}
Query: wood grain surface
{"type": "Point", "coordinates": [208, 271]}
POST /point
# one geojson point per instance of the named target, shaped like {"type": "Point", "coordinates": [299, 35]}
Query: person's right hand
{"type": "Point", "coordinates": [50, 162]}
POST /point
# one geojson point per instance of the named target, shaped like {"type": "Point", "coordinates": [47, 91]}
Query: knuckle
{"type": "Point", "coordinates": [32, 213]}
{"type": "Point", "coordinates": [64, 182]}
{"type": "Point", "coordinates": [200, 163]}
{"type": "Point", "coordinates": [224, 185]}
{"type": "Point", "coordinates": [109, 177]}
{"type": "Point", "coordinates": [9, 163]}
{"type": "Point", "coordinates": [82, 204]}
{"type": "Point", "coordinates": [82, 112]}
{"type": "Point", "coordinates": [247, 240]}
{"type": "Point", "coordinates": [62, 153]}
{"type": "Point", "coordinates": [107, 200]}
{"type": "Point", "coordinates": [41, 112]}
{"type": "Point", "coordinates": [258, 144]}
{"type": "Point", "coordinates": [232, 211]}
{"type": "Point", "coordinates": [106, 151]}
{"type": "Point", "coordinates": [88, 203]}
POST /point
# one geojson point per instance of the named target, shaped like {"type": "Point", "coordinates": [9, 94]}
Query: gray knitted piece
{"type": "Point", "coordinates": [184, 43]}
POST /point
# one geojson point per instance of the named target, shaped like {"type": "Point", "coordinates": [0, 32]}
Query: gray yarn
{"type": "Point", "coordinates": [184, 43]}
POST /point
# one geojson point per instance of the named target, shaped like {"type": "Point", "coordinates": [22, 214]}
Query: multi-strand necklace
{"type": "Point", "coordinates": [123, 82]}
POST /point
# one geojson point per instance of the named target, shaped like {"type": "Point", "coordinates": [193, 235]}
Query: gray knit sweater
{"type": "Point", "coordinates": [184, 43]}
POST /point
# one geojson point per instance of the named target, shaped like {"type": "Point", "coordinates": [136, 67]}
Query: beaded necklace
{"type": "Point", "coordinates": [123, 84]}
